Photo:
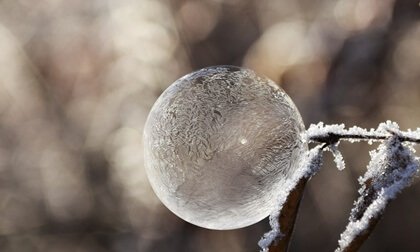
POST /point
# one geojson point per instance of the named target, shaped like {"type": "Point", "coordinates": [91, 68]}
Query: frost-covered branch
{"type": "Point", "coordinates": [283, 218]}
{"type": "Point", "coordinates": [392, 168]}
{"type": "Point", "coordinates": [332, 134]}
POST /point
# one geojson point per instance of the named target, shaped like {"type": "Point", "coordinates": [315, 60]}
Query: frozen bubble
{"type": "Point", "coordinates": [219, 145]}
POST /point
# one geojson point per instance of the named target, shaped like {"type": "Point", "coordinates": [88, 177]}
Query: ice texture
{"type": "Point", "coordinates": [220, 144]}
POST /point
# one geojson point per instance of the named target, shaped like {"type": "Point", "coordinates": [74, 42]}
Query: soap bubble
{"type": "Point", "coordinates": [220, 144]}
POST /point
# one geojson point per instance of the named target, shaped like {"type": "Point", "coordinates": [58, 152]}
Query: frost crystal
{"type": "Point", "coordinates": [338, 157]}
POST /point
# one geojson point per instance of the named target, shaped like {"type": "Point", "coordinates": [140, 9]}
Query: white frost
{"type": "Point", "coordinates": [338, 157]}
{"type": "Point", "coordinates": [322, 130]}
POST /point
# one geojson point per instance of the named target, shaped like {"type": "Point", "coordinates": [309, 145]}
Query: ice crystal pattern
{"type": "Point", "coordinates": [220, 143]}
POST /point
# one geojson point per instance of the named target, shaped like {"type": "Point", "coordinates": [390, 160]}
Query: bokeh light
{"type": "Point", "coordinates": [78, 78]}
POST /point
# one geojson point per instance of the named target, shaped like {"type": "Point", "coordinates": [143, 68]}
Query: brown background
{"type": "Point", "coordinates": [77, 79]}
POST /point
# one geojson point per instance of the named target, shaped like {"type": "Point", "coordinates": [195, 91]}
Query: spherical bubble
{"type": "Point", "coordinates": [220, 144]}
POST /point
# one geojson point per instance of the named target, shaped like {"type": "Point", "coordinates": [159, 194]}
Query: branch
{"type": "Point", "coordinates": [287, 217]}
{"type": "Point", "coordinates": [282, 220]}
{"type": "Point", "coordinates": [332, 138]}
{"type": "Point", "coordinates": [391, 169]}
{"type": "Point", "coordinates": [368, 196]}
{"type": "Point", "coordinates": [332, 134]}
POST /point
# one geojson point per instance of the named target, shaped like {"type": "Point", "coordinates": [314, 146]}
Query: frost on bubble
{"type": "Point", "coordinates": [391, 169]}
{"type": "Point", "coordinates": [219, 144]}
{"type": "Point", "coordinates": [310, 164]}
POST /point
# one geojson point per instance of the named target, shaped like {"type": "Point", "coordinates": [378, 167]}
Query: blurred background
{"type": "Point", "coordinates": [77, 79]}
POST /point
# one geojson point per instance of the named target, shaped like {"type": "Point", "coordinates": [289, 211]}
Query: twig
{"type": "Point", "coordinates": [283, 218]}
{"type": "Point", "coordinates": [358, 241]}
{"type": "Point", "coordinates": [287, 217]}
{"type": "Point", "coordinates": [379, 186]}
{"type": "Point", "coordinates": [331, 134]}
{"type": "Point", "coordinates": [357, 214]}
{"type": "Point", "coordinates": [332, 138]}
{"type": "Point", "coordinates": [391, 169]}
